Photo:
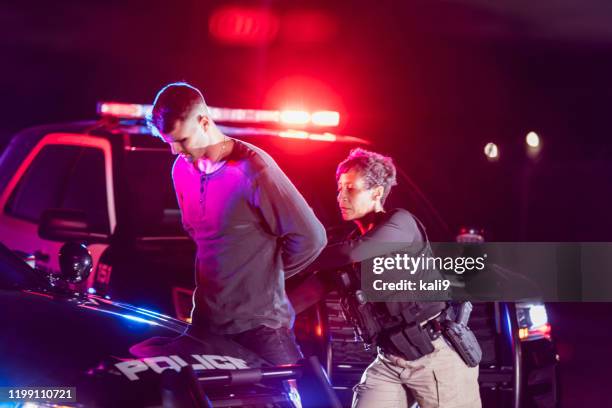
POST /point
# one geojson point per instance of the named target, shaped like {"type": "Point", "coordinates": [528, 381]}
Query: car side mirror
{"type": "Point", "coordinates": [75, 262]}
{"type": "Point", "coordinates": [68, 225]}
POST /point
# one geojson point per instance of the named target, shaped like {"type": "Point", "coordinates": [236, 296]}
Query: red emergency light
{"type": "Point", "coordinates": [301, 120]}
{"type": "Point", "coordinates": [325, 118]}
{"type": "Point", "coordinates": [243, 25]}
{"type": "Point", "coordinates": [295, 117]}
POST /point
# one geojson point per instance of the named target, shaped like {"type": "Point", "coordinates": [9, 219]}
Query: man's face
{"type": "Point", "coordinates": [189, 138]}
{"type": "Point", "coordinates": [354, 199]}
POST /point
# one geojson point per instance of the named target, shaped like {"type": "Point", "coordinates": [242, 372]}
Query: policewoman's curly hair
{"type": "Point", "coordinates": [377, 170]}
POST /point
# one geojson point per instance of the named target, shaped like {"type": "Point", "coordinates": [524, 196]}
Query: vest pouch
{"type": "Point", "coordinates": [412, 342]}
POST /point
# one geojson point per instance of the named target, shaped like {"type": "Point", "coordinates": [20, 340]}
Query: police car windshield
{"type": "Point", "coordinates": [149, 195]}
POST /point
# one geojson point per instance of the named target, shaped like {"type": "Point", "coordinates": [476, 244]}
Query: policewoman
{"type": "Point", "coordinates": [415, 361]}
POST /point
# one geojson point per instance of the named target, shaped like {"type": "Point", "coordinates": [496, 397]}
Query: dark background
{"type": "Point", "coordinates": [430, 82]}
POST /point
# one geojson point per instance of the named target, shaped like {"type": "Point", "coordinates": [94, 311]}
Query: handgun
{"type": "Point", "coordinates": [464, 313]}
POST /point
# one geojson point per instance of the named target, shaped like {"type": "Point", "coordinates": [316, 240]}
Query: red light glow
{"type": "Point", "coordinates": [294, 134]}
{"type": "Point", "coordinates": [325, 137]}
{"type": "Point", "coordinates": [538, 332]}
{"type": "Point", "coordinates": [306, 26]}
{"type": "Point", "coordinates": [243, 25]}
{"type": "Point", "coordinates": [37, 294]}
{"type": "Point", "coordinates": [308, 94]}
{"type": "Point", "coordinates": [543, 330]}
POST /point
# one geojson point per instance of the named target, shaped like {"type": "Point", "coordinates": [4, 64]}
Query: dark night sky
{"type": "Point", "coordinates": [431, 82]}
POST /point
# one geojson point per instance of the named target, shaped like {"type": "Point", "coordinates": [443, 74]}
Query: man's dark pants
{"type": "Point", "coordinates": [277, 346]}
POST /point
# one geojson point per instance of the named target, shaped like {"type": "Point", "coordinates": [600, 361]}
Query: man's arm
{"type": "Point", "coordinates": [399, 231]}
{"type": "Point", "coordinates": [288, 216]}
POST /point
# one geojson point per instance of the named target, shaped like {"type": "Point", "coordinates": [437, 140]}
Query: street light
{"type": "Point", "coordinates": [491, 151]}
{"type": "Point", "coordinates": [534, 144]}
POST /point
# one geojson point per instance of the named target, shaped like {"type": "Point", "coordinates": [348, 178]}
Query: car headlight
{"type": "Point", "coordinates": [532, 321]}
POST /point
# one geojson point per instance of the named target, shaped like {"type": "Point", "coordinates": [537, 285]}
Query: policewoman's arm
{"type": "Point", "coordinates": [397, 231]}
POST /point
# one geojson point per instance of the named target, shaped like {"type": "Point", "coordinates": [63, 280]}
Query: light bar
{"type": "Point", "coordinates": [230, 115]}
{"type": "Point", "coordinates": [244, 115]}
{"type": "Point", "coordinates": [292, 117]}
{"type": "Point", "coordinates": [291, 134]}
{"type": "Point", "coordinates": [325, 137]}
{"type": "Point", "coordinates": [294, 134]}
{"type": "Point", "coordinates": [325, 118]}
{"type": "Point", "coordinates": [124, 110]}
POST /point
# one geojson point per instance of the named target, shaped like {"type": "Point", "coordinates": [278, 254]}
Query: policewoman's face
{"type": "Point", "coordinates": [354, 199]}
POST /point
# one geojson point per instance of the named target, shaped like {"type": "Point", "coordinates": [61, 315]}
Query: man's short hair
{"type": "Point", "coordinates": [174, 102]}
{"type": "Point", "coordinates": [376, 169]}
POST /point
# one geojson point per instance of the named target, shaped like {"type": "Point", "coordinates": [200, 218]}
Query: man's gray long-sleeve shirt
{"type": "Point", "coordinates": [252, 229]}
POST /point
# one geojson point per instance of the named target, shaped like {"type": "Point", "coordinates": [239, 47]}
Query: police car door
{"type": "Point", "coordinates": [66, 171]}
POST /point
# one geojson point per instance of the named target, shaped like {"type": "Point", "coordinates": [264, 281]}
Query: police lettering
{"type": "Point", "coordinates": [159, 364]}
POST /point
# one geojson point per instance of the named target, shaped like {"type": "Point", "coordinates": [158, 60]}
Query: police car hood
{"type": "Point", "coordinates": [101, 347]}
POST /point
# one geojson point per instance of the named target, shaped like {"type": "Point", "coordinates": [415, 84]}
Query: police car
{"type": "Point", "coordinates": [107, 183]}
{"type": "Point", "coordinates": [71, 349]}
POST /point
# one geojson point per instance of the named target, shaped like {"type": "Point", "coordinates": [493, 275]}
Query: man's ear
{"type": "Point", "coordinates": [204, 121]}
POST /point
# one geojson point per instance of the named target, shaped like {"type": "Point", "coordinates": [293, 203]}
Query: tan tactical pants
{"type": "Point", "coordinates": [440, 379]}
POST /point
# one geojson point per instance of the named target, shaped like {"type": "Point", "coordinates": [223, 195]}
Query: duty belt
{"type": "Point", "coordinates": [414, 341]}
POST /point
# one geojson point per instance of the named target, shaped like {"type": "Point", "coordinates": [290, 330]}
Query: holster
{"type": "Point", "coordinates": [367, 325]}
{"type": "Point", "coordinates": [463, 341]}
